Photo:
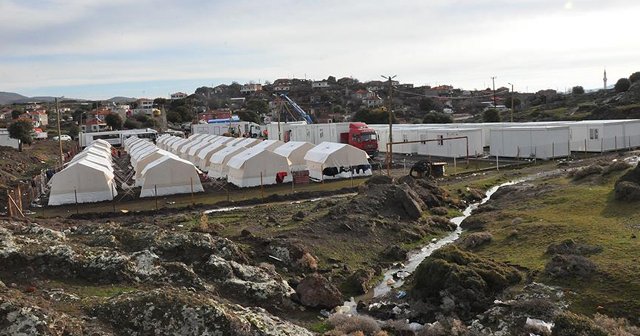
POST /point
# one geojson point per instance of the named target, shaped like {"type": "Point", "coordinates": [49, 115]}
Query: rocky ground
{"type": "Point", "coordinates": [238, 272]}
{"type": "Point", "coordinates": [280, 268]}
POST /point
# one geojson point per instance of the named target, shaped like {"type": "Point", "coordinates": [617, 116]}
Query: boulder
{"type": "Point", "coordinates": [174, 312]}
{"type": "Point", "coordinates": [411, 202]}
{"type": "Point", "coordinates": [627, 191]}
{"type": "Point", "coordinates": [466, 279]}
{"type": "Point", "coordinates": [360, 280]}
{"type": "Point", "coordinates": [474, 240]}
{"type": "Point", "coordinates": [317, 292]}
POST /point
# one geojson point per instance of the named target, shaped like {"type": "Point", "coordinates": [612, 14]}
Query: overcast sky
{"type": "Point", "coordinates": [147, 48]}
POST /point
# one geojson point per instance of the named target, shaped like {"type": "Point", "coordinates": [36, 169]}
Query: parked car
{"type": "Point", "coordinates": [63, 137]}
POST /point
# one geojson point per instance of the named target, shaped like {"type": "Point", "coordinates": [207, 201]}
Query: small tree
{"type": "Point", "coordinates": [634, 77]}
{"type": "Point", "coordinates": [622, 85]}
{"type": "Point", "coordinates": [15, 114]}
{"type": "Point", "coordinates": [491, 115]}
{"type": "Point", "coordinates": [249, 116]}
{"type": "Point", "coordinates": [577, 90]}
{"type": "Point", "coordinates": [516, 102]}
{"type": "Point", "coordinates": [21, 130]}
{"type": "Point", "coordinates": [114, 121]}
{"type": "Point", "coordinates": [74, 130]}
{"type": "Point", "coordinates": [437, 118]}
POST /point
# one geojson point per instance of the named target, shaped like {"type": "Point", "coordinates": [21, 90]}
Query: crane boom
{"type": "Point", "coordinates": [298, 109]}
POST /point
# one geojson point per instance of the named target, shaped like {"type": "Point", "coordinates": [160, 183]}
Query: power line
{"type": "Point", "coordinates": [450, 98]}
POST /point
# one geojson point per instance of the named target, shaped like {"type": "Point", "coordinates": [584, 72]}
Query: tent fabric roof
{"type": "Point", "coordinates": [269, 145]}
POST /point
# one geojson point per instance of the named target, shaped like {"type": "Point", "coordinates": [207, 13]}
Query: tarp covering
{"type": "Point", "coordinates": [295, 152]}
{"type": "Point", "coordinates": [218, 163]}
{"type": "Point", "coordinates": [330, 160]}
{"type": "Point", "coordinates": [256, 166]}
{"type": "Point", "coordinates": [169, 175]}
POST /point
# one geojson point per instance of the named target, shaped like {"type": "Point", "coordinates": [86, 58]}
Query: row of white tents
{"type": "Point", "coordinates": [543, 140]}
{"type": "Point", "coordinates": [87, 178]}
{"type": "Point", "coordinates": [159, 172]}
{"type": "Point", "coordinates": [248, 162]}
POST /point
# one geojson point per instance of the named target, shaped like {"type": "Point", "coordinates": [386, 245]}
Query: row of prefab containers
{"type": "Point", "coordinates": [543, 140]}
{"type": "Point", "coordinates": [248, 162]}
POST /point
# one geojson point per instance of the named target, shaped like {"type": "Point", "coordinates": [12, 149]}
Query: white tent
{"type": "Point", "coordinates": [175, 146]}
{"type": "Point", "coordinates": [205, 154]}
{"type": "Point", "coordinates": [330, 160]}
{"type": "Point", "coordinates": [82, 181]}
{"type": "Point", "coordinates": [218, 162]}
{"type": "Point", "coordinates": [193, 150]}
{"type": "Point", "coordinates": [194, 141]}
{"type": "Point", "coordinates": [248, 142]}
{"type": "Point", "coordinates": [234, 141]}
{"type": "Point", "coordinates": [269, 145]}
{"type": "Point", "coordinates": [295, 152]}
{"type": "Point", "coordinates": [256, 166]}
{"type": "Point", "coordinates": [170, 175]}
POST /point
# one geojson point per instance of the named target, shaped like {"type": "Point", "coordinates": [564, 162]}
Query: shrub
{"type": "Point", "coordinates": [615, 326]}
{"type": "Point", "coordinates": [622, 85]}
{"type": "Point", "coordinates": [577, 90]}
{"type": "Point", "coordinates": [570, 324]}
{"type": "Point", "coordinates": [569, 266]}
{"type": "Point", "coordinates": [570, 246]}
{"type": "Point", "coordinates": [475, 239]}
{"type": "Point", "coordinates": [634, 77]}
{"type": "Point", "coordinates": [348, 324]}
{"type": "Point", "coordinates": [491, 115]}
{"type": "Point", "coordinates": [627, 191]}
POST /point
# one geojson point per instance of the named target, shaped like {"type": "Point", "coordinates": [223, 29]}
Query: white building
{"type": "Point", "coordinates": [178, 95]}
{"type": "Point", "coordinates": [320, 84]}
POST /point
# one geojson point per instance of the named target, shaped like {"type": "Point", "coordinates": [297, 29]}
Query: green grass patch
{"type": "Point", "coordinates": [587, 213]}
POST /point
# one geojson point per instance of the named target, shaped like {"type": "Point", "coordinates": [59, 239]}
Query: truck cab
{"type": "Point", "coordinates": [362, 137]}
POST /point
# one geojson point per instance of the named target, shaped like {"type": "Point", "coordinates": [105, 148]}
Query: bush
{"type": "Point", "coordinates": [627, 191]}
{"type": "Point", "coordinates": [570, 324]}
{"type": "Point", "coordinates": [474, 240]}
{"type": "Point", "coordinates": [348, 324]}
{"type": "Point", "coordinates": [615, 326]}
{"type": "Point", "coordinates": [491, 115]}
{"type": "Point", "coordinates": [622, 85]}
{"type": "Point", "coordinates": [634, 77]}
{"type": "Point", "coordinates": [570, 246]}
{"type": "Point", "coordinates": [569, 266]}
{"type": "Point", "coordinates": [437, 118]}
{"type": "Point", "coordinates": [577, 90]}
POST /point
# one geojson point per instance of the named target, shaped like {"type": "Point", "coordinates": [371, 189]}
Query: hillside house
{"type": "Point", "coordinates": [176, 96]}
{"type": "Point", "coordinates": [250, 88]}
{"type": "Point", "coordinates": [320, 84]}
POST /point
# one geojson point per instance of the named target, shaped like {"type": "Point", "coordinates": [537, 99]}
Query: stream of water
{"type": "Point", "coordinates": [395, 277]}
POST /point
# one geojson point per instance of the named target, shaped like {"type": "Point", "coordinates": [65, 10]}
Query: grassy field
{"type": "Point", "coordinates": [587, 213]}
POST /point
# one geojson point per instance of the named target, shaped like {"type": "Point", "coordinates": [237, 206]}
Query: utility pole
{"type": "Point", "coordinates": [493, 80]}
{"type": "Point", "coordinates": [59, 133]}
{"type": "Point", "coordinates": [512, 98]}
{"type": "Point", "coordinates": [390, 113]}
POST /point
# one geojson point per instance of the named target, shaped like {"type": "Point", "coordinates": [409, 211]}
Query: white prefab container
{"type": "Point", "coordinates": [330, 160]}
{"type": "Point", "coordinates": [541, 142]}
{"type": "Point", "coordinates": [170, 175]}
{"type": "Point", "coordinates": [205, 154]}
{"type": "Point", "coordinates": [599, 135]}
{"type": "Point", "coordinates": [258, 166]}
{"type": "Point", "coordinates": [451, 142]}
{"type": "Point", "coordinates": [295, 152]}
{"type": "Point", "coordinates": [84, 182]}
{"type": "Point", "coordinates": [632, 133]}
{"type": "Point", "coordinates": [217, 167]}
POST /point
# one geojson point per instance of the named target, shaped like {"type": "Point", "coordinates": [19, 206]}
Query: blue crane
{"type": "Point", "coordinates": [298, 109]}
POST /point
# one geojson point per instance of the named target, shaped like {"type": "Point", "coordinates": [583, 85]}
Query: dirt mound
{"type": "Point", "coordinates": [405, 198]}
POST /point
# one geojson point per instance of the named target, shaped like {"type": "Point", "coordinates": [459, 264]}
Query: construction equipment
{"type": "Point", "coordinates": [426, 168]}
{"type": "Point", "coordinates": [298, 109]}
